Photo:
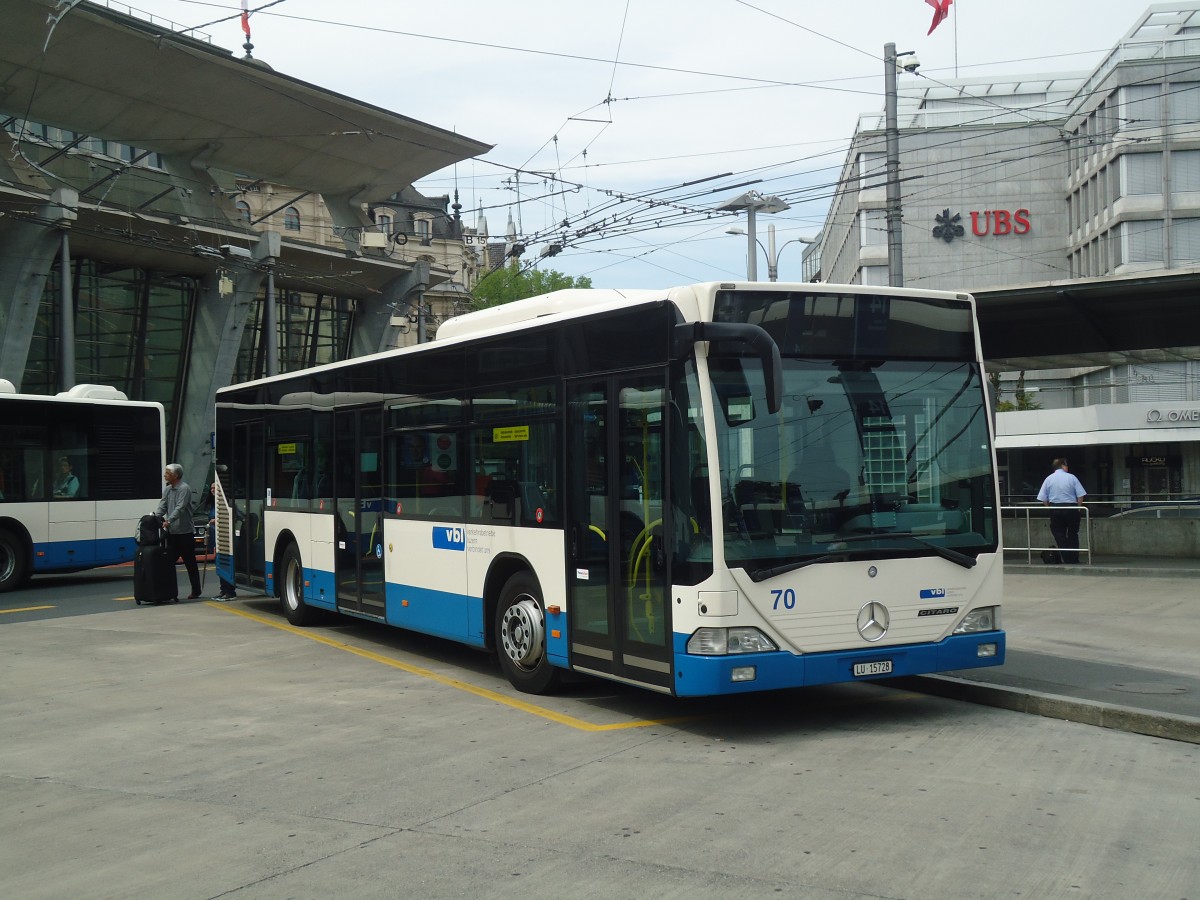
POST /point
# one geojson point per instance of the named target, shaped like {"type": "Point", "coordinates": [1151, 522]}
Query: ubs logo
{"type": "Point", "coordinates": [995, 222]}
{"type": "Point", "coordinates": [947, 227]}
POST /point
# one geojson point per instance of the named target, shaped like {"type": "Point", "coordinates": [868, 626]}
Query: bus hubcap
{"type": "Point", "coordinates": [291, 586]}
{"type": "Point", "coordinates": [521, 632]}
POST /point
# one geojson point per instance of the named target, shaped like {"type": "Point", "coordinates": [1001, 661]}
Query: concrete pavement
{"type": "Point", "coordinates": [1113, 644]}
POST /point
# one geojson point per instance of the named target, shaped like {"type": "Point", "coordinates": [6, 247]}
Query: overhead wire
{"type": "Point", "coordinates": [807, 192]}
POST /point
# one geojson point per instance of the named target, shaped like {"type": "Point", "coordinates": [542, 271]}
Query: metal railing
{"type": "Point", "coordinates": [1027, 513]}
{"type": "Point", "coordinates": [1105, 505]}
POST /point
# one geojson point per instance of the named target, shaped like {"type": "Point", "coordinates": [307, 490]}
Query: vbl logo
{"type": "Point", "coordinates": [933, 593]}
{"type": "Point", "coordinates": [449, 538]}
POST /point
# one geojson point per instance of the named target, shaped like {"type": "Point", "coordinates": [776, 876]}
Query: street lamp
{"type": "Point", "coordinates": [752, 202]}
{"type": "Point", "coordinates": [771, 254]}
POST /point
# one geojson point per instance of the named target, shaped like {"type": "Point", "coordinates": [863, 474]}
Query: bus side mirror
{"type": "Point", "coordinates": [756, 340]}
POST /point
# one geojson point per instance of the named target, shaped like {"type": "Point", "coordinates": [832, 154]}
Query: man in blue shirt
{"type": "Point", "coordinates": [1062, 491]}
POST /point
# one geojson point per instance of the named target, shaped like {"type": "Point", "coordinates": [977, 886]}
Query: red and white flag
{"type": "Point", "coordinates": [941, 9]}
{"type": "Point", "coordinates": [246, 19]}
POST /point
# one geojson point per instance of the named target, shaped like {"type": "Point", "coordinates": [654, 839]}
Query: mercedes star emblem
{"type": "Point", "coordinates": [873, 621]}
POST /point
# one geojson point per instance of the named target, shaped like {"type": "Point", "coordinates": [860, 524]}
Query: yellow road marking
{"type": "Point", "coordinates": [486, 694]}
{"type": "Point", "coordinates": [25, 609]}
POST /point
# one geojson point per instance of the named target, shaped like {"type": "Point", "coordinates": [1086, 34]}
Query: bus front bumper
{"type": "Point", "coordinates": [701, 676]}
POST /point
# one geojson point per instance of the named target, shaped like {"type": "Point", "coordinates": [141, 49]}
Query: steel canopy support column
{"type": "Point", "coordinates": [401, 297]}
{"type": "Point", "coordinates": [267, 252]}
{"type": "Point", "coordinates": [271, 327]}
{"type": "Point", "coordinates": [29, 253]}
{"type": "Point", "coordinates": [66, 316]}
{"type": "Point", "coordinates": [64, 209]}
{"type": "Point", "coordinates": [216, 341]}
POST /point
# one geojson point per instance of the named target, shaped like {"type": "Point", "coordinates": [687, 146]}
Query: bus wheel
{"type": "Point", "coordinates": [521, 636]}
{"type": "Point", "coordinates": [291, 588]}
{"type": "Point", "coordinates": [12, 561]}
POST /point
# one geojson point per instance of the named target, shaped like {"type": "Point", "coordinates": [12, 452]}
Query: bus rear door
{"type": "Point", "coordinates": [249, 487]}
{"type": "Point", "coordinates": [358, 487]}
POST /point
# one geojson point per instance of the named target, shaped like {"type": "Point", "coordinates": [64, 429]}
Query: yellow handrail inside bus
{"type": "Point", "coordinates": [638, 552]}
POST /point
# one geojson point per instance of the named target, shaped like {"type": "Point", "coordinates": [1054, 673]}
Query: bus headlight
{"type": "Point", "coordinates": [726, 641]}
{"type": "Point", "coordinates": [986, 618]}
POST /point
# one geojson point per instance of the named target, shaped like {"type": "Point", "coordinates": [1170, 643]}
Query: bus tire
{"type": "Point", "coordinates": [14, 561]}
{"type": "Point", "coordinates": [521, 636]}
{"type": "Point", "coordinates": [291, 588]}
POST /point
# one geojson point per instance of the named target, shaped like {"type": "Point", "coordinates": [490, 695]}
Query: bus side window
{"type": "Point", "coordinates": [32, 480]}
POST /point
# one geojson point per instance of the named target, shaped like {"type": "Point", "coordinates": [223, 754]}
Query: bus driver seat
{"type": "Point", "coordinates": [818, 489]}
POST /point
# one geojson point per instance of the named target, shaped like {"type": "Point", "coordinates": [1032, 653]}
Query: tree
{"type": "Point", "coordinates": [1022, 399]}
{"type": "Point", "coordinates": [511, 283]}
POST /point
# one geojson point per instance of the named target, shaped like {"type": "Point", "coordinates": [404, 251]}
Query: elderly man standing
{"type": "Point", "coordinates": [175, 510]}
{"type": "Point", "coordinates": [1062, 491]}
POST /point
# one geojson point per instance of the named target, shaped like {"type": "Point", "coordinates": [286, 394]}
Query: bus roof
{"type": "Point", "coordinates": [500, 320]}
{"type": "Point", "coordinates": [82, 393]}
{"type": "Point", "coordinates": [571, 300]}
{"type": "Point", "coordinates": [583, 300]}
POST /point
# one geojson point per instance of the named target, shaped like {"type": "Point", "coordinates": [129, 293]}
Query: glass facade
{"type": "Point", "coordinates": [132, 328]}
{"type": "Point", "coordinates": [313, 329]}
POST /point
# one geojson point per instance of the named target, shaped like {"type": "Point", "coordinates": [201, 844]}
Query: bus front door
{"type": "Point", "coordinates": [249, 486]}
{"type": "Point", "coordinates": [358, 489]}
{"type": "Point", "coordinates": [618, 609]}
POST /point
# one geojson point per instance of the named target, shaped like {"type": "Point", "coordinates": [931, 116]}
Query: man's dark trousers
{"type": "Point", "coordinates": [1064, 525]}
{"type": "Point", "coordinates": [185, 545]}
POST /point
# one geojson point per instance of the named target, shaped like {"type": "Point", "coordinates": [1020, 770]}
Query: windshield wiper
{"type": "Point", "coordinates": [954, 556]}
{"type": "Point", "coordinates": [763, 574]}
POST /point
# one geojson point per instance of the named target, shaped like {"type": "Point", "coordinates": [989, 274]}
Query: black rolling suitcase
{"type": "Point", "coordinates": [154, 578]}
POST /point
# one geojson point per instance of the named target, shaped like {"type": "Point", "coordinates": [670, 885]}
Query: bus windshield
{"type": "Point", "coordinates": [866, 458]}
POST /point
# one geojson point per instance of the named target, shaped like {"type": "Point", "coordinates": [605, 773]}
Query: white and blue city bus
{"type": "Point", "coordinates": [711, 489]}
{"type": "Point", "coordinates": [77, 470]}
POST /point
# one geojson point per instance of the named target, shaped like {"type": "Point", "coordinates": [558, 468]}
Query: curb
{"type": "Point", "coordinates": [1052, 706]}
{"type": "Point", "coordinates": [1086, 570]}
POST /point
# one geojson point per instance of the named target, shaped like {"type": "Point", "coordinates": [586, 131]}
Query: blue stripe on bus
{"type": "Point", "coordinates": [706, 675]}
{"type": "Point", "coordinates": [57, 556]}
{"type": "Point", "coordinates": [440, 613]}
{"type": "Point", "coordinates": [556, 639]}
{"type": "Point", "coordinates": [459, 617]}
{"type": "Point", "coordinates": [320, 589]}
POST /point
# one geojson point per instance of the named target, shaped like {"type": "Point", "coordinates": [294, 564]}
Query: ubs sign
{"type": "Point", "coordinates": [994, 222]}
